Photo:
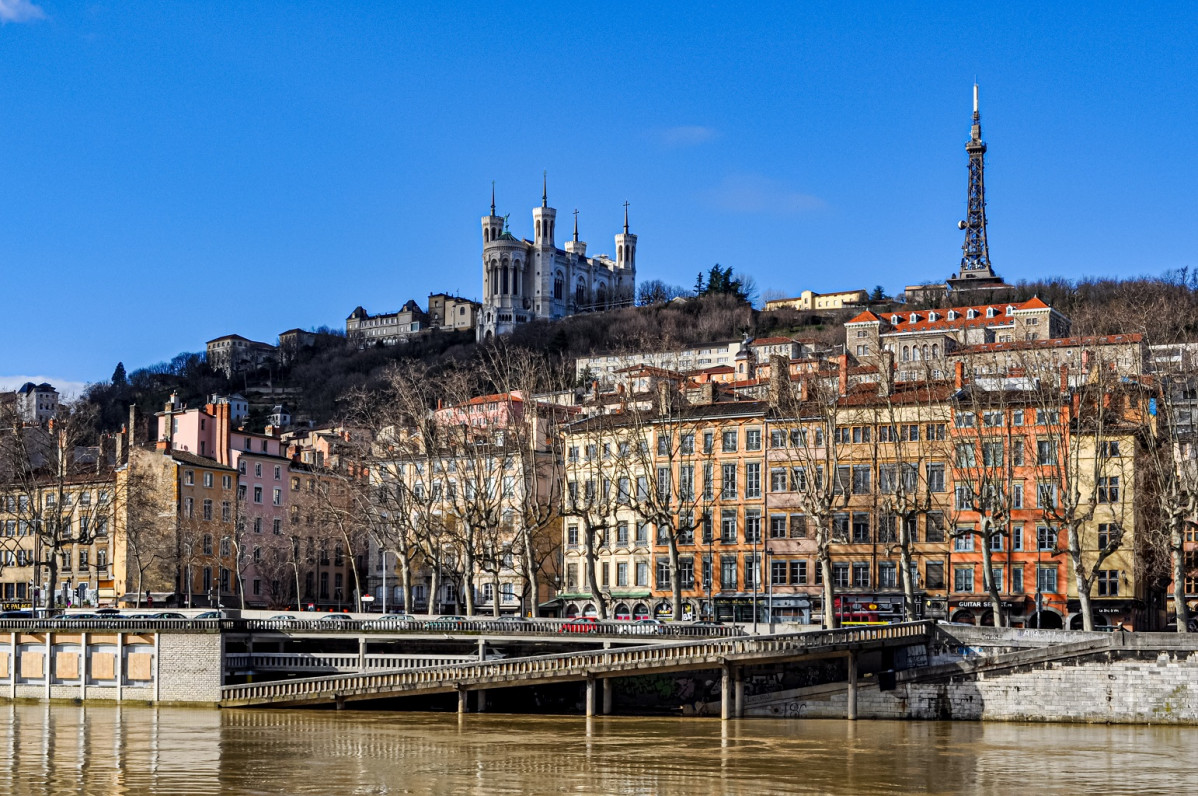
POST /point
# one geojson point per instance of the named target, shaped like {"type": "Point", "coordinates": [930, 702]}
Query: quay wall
{"type": "Point", "coordinates": [156, 666]}
{"type": "Point", "coordinates": [1122, 679]}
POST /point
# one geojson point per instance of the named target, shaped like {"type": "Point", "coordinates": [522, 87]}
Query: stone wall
{"type": "Point", "coordinates": [1143, 679]}
{"type": "Point", "coordinates": [191, 667]}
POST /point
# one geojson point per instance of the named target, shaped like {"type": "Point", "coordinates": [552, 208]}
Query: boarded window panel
{"type": "Point", "coordinates": [140, 666]}
{"type": "Point", "coordinates": [32, 665]}
{"type": "Point", "coordinates": [66, 665]}
{"type": "Point", "coordinates": [103, 666]}
{"type": "Point", "coordinates": [5, 659]}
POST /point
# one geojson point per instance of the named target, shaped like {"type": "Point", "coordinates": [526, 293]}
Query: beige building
{"type": "Point", "coordinates": [234, 353]}
{"type": "Point", "coordinates": [810, 300]}
{"type": "Point", "coordinates": [389, 328]}
{"type": "Point", "coordinates": [452, 313]}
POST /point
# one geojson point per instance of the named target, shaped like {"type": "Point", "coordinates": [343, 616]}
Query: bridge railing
{"type": "Point", "coordinates": [570, 664]}
{"type": "Point", "coordinates": [344, 661]}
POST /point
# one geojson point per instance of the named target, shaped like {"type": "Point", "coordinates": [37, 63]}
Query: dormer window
{"type": "Point", "coordinates": [932, 316]}
{"type": "Point", "coordinates": [990, 312]}
{"type": "Point", "coordinates": [971, 314]}
{"type": "Point", "coordinates": [1010, 310]}
{"type": "Point", "coordinates": [914, 317]}
{"type": "Point", "coordinates": [894, 319]}
{"type": "Point", "coordinates": [952, 315]}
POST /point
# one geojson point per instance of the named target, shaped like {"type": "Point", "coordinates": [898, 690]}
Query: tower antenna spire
{"type": "Point", "coordinates": [975, 252]}
{"type": "Point", "coordinates": [625, 216]}
{"type": "Point", "coordinates": [545, 188]}
{"type": "Point", "coordinates": [576, 224]}
{"type": "Point", "coordinates": [492, 197]}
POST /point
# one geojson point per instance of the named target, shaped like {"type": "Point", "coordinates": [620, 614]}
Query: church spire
{"type": "Point", "coordinates": [576, 225]}
{"type": "Point", "coordinates": [545, 188]}
{"type": "Point", "coordinates": [975, 252]}
{"type": "Point", "coordinates": [492, 197]}
{"type": "Point", "coordinates": [625, 216]}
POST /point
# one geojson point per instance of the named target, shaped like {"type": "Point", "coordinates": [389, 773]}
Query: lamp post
{"type": "Point", "coordinates": [383, 556]}
{"type": "Point", "coordinates": [769, 600]}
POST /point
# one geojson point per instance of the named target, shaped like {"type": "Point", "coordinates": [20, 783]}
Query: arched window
{"type": "Point", "coordinates": [503, 281]}
{"type": "Point", "coordinates": [906, 353]}
{"type": "Point", "coordinates": [516, 278]}
{"type": "Point", "coordinates": [935, 351]}
{"type": "Point", "coordinates": [494, 278]}
{"type": "Point", "coordinates": [925, 350]}
{"type": "Point", "coordinates": [559, 286]}
{"type": "Point", "coordinates": [915, 353]}
{"type": "Point", "coordinates": [580, 293]}
{"type": "Point", "coordinates": [601, 295]}
{"type": "Point", "coordinates": [620, 253]}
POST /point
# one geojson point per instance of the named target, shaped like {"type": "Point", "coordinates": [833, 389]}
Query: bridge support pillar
{"type": "Point", "coordinates": [462, 699]}
{"type": "Point", "coordinates": [738, 707]}
{"type": "Point", "coordinates": [362, 653]}
{"type": "Point", "coordinates": [851, 707]}
{"type": "Point", "coordinates": [590, 696]}
{"type": "Point", "coordinates": [482, 701]}
{"type": "Point", "coordinates": [726, 693]}
{"type": "Point", "coordinates": [607, 689]}
{"type": "Point", "coordinates": [482, 649]}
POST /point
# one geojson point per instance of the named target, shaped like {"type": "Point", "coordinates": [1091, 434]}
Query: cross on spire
{"type": "Point", "coordinates": [492, 197]}
{"type": "Point", "coordinates": [625, 216]}
{"type": "Point", "coordinates": [576, 224]}
{"type": "Point", "coordinates": [545, 188]}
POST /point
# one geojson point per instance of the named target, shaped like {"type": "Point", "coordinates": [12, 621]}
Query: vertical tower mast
{"type": "Point", "coordinates": [975, 252]}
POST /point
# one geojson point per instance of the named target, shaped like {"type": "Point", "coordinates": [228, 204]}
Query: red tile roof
{"type": "Point", "coordinates": [902, 319]}
{"type": "Point", "coordinates": [1059, 342]}
{"type": "Point", "coordinates": [772, 341]}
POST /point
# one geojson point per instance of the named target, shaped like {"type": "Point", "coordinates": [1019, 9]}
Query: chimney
{"type": "Point", "coordinates": [779, 379]}
{"type": "Point", "coordinates": [843, 361]}
{"type": "Point", "coordinates": [1064, 378]}
{"type": "Point", "coordinates": [136, 435]}
{"type": "Point", "coordinates": [221, 441]}
{"type": "Point", "coordinates": [803, 388]}
{"type": "Point", "coordinates": [959, 374]}
{"type": "Point", "coordinates": [119, 449]}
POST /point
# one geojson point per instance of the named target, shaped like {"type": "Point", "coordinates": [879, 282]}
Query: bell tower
{"type": "Point", "coordinates": [492, 224]}
{"type": "Point", "coordinates": [544, 218]}
{"type": "Point", "coordinates": [626, 246]}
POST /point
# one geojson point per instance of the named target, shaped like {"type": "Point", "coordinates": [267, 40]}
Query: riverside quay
{"type": "Point", "coordinates": [910, 670]}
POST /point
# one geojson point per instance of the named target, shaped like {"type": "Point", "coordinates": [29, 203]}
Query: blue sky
{"type": "Point", "coordinates": [172, 172]}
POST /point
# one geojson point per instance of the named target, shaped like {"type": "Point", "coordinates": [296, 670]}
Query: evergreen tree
{"type": "Point", "coordinates": [118, 375]}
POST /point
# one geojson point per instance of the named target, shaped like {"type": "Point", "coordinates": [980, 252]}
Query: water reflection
{"type": "Point", "coordinates": [54, 749]}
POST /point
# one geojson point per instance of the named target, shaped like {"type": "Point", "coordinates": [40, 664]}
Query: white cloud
{"type": "Point", "coordinates": [756, 193]}
{"type": "Point", "coordinates": [67, 390]}
{"type": "Point", "coordinates": [684, 135]}
{"type": "Point", "coordinates": [19, 11]}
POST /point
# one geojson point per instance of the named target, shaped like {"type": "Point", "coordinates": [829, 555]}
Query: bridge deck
{"type": "Point", "coordinates": [648, 659]}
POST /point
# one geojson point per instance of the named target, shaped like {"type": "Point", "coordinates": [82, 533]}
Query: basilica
{"type": "Point", "coordinates": [527, 280]}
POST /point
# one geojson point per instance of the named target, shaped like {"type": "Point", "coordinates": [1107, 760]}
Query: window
{"type": "Point", "coordinates": [729, 442]}
{"type": "Point", "coordinates": [992, 454]}
{"type": "Point", "coordinates": [860, 576]}
{"type": "Point", "coordinates": [728, 482]}
{"type": "Point", "coordinates": [1017, 580]}
{"type": "Point", "coordinates": [728, 526]}
{"type": "Point", "coordinates": [798, 526]}
{"type": "Point", "coordinates": [277, 498]}
{"type": "Point", "coordinates": [1046, 452]}
{"type": "Point", "coordinates": [840, 576]}
{"type": "Point", "coordinates": [777, 438]}
{"type": "Point", "coordinates": [278, 527]}
{"type": "Point", "coordinates": [753, 480]}
{"type": "Point", "coordinates": [966, 454]}
{"type": "Point", "coordinates": [991, 419]}
{"type": "Point", "coordinates": [207, 509]}
{"type": "Point", "coordinates": [778, 479]}
{"type": "Point", "coordinates": [1046, 495]}
{"type": "Point", "coordinates": [188, 507]}
{"type": "Point", "coordinates": [258, 469]}
{"type": "Point", "coordinates": [963, 579]}
{"type": "Point", "coordinates": [257, 494]}
{"type": "Point", "coordinates": [963, 497]}
{"type": "Point", "coordinates": [622, 534]}
{"type": "Point", "coordinates": [572, 536]}
{"type": "Point", "coordinates": [1046, 579]}
{"type": "Point", "coordinates": [1017, 495]}
{"type": "Point", "coordinates": [728, 573]}
{"type": "Point", "coordinates": [887, 575]}
{"type": "Point", "coordinates": [1108, 489]}
{"type": "Point", "coordinates": [935, 432]}
{"type": "Point", "coordinates": [663, 446]}
{"type": "Point", "coordinates": [840, 527]}
{"type": "Point", "coordinates": [208, 480]}
{"type": "Point", "coordinates": [642, 573]}
{"type": "Point", "coordinates": [708, 441]}
{"type": "Point", "coordinates": [278, 473]}
{"type": "Point", "coordinates": [1017, 537]}
{"type": "Point", "coordinates": [778, 573]}
{"type": "Point", "coordinates": [861, 479]}
{"type": "Point", "coordinates": [1108, 582]}
{"type": "Point", "coordinates": [963, 420]}
{"type": "Point", "coordinates": [1110, 449]}
{"type": "Point", "coordinates": [798, 573]}
{"type": "Point", "coordinates": [1047, 417]}
{"type": "Point", "coordinates": [1109, 535]}
{"type": "Point", "coordinates": [933, 574]}
{"type": "Point", "coordinates": [225, 547]}
{"type": "Point", "coordinates": [642, 534]}
{"type": "Point", "coordinates": [189, 478]}
{"type": "Point", "coordinates": [621, 574]}
{"type": "Point", "coordinates": [686, 572]}
{"type": "Point", "coordinates": [753, 439]}
{"type": "Point", "coordinates": [688, 444]}
{"type": "Point", "coordinates": [996, 541]}
{"type": "Point", "coordinates": [1046, 539]}
{"type": "Point", "coordinates": [777, 526]}
{"type": "Point", "coordinates": [860, 527]}
{"type": "Point", "coordinates": [935, 475]}
{"type": "Point", "coordinates": [963, 540]}
{"type": "Point", "coordinates": [752, 525]}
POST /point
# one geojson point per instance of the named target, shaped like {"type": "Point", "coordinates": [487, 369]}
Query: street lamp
{"type": "Point", "coordinates": [769, 600]}
{"type": "Point", "coordinates": [383, 556]}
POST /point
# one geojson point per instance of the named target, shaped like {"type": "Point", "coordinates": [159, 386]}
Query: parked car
{"type": "Point", "coordinates": [448, 622]}
{"type": "Point", "coordinates": [582, 624]}
{"type": "Point", "coordinates": [388, 622]}
{"type": "Point", "coordinates": [16, 614]}
{"type": "Point", "coordinates": [211, 615]}
{"type": "Point", "coordinates": [169, 615]}
{"type": "Point", "coordinates": [643, 627]}
{"type": "Point", "coordinates": [284, 619]}
{"type": "Point", "coordinates": [514, 619]}
{"type": "Point", "coordinates": [336, 620]}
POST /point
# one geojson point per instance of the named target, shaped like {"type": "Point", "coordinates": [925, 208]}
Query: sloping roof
{"type": "Point", "coordinates": [771, 341]}
{"type": "Point", "coordinates": [1057, 342]}
{"type": "Point", "coordinates": [865, 317]}
{"type": "Point", "coordinates": [900, 321]}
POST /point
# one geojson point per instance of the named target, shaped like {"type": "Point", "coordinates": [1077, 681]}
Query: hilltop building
{"type": "Point", "coordinates": [36, 403]}
{"type": "Point", "coordinates": [810, 300]}
{"type": "Point", "coordinates": [234, 354]}
{"type": "Point", "coordinates": [527, 280]}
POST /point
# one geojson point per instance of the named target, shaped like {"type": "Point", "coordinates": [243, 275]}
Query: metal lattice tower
{"type": "Point", "coordinates": [975, 252]}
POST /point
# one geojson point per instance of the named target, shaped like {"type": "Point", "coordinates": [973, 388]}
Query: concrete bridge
{"type": "Point", "coordinates": [730, 655]}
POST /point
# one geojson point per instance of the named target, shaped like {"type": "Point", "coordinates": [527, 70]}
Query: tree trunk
{"type": "Point", "coordinates": [1081, 580]}
{"type": "Point", "coordinates": [592, 574]}
{"type": "Point", "coordinates": [530, 577]}
{"type": "Point", "coordinates": [905, 562]}
{"type": "Point", "coordinates": [676, 582]}
{"type": "Point", "coordinates": [1177, 560]}
{"type": "Point", "coordinates": [825, 566]}
{"type": "Point", "coordinates": [139, 577]}
{"type": "Point", "coordinates": [434, 584]}
{"type": "Point", "coordinates": [468, 571]}
{"type": "Point", "coordinates": [495, 595]}
{"type": "Point", "coordinates": [988, 582]}
{"type": "Point", "coordinates": [405, 572]}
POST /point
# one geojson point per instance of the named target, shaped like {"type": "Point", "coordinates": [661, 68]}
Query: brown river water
{"type": "Point", "coordinates": [64, 749]}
